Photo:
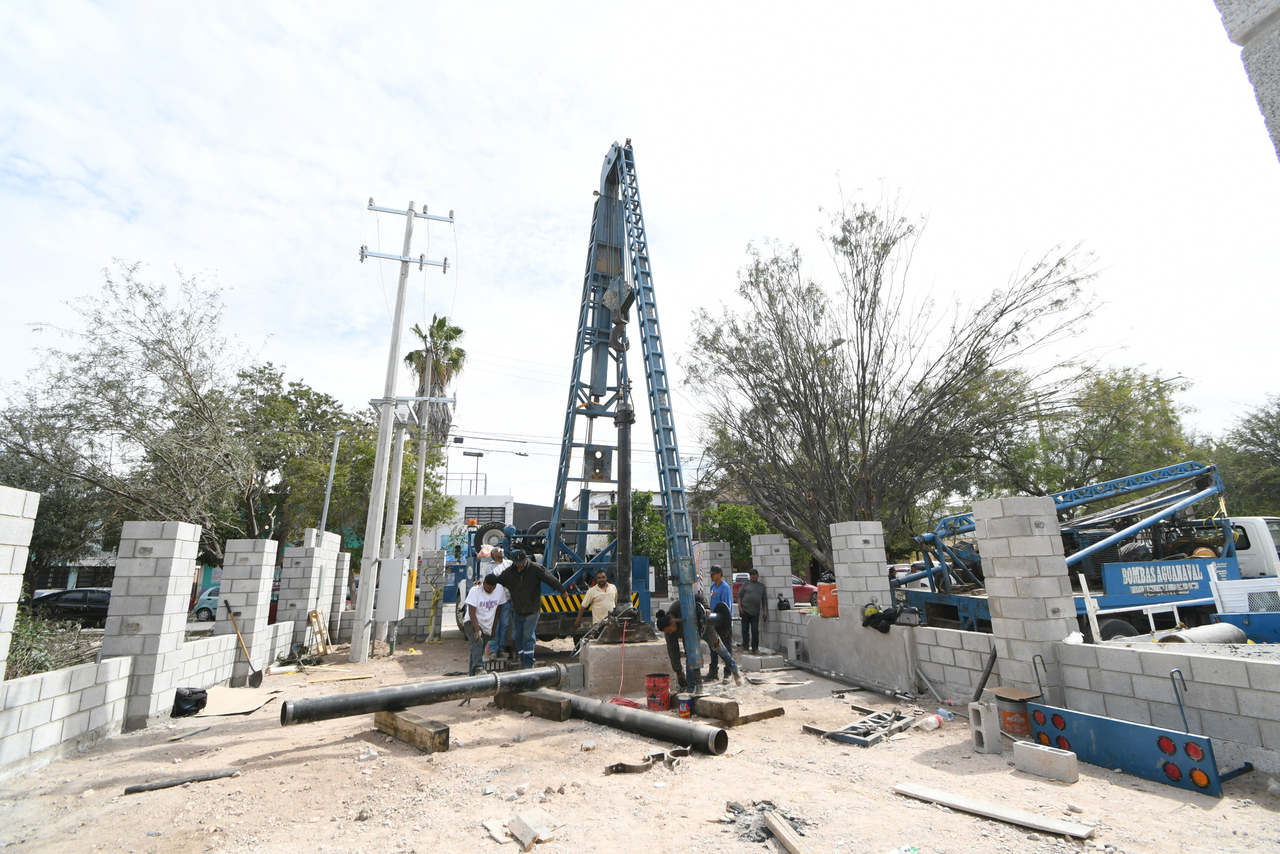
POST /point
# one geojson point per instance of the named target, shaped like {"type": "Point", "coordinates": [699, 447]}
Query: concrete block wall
{"type": "Point", "coordinates": [304, 569]}
{"type": "Point", "coordinates": [953, 660]}
{"type": "Point", "coordinates": [210, 661]}
{"type": "Point", "coordinates": [706, 554]}
{"type": "Point", "coordinates": [17, 519]}
{"type": "Point", "coordinates": [788, 624]}
{"type": "Point", "coordinates": [861, 569]}
{"type": "Point", "coordinates": [279, 641]}
{"type": "Point", "coordinates": [1255, 26]}
{"type": "Point", "coordinates": [248, 567]}
{"type": "Point", "coordinates": [147, 618]}
{"type": "Point", "coordinates": [1027, 585]}
{"type": "Point", "coordinates": [338, 594]}
{"type": "Point", "coordinates": [771, 557]}
{"type": "Point", "coordinates": [49, 715]}
{"type": "Point", "coordinates": [1234, 701]}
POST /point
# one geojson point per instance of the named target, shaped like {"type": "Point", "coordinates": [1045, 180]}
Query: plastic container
{"type": "Point", "coordinates": [828, 604]}
{"type": "Point", "coordinates": [929, 724]}
{"type": "Point", "coordinates": [657, 691]}
{"type": "Point", "coordinates": [1013, 716]}
{"type": "Point", "coordinates": [684, 705]}
{"type": "Point", "coordinates": [945, 715]}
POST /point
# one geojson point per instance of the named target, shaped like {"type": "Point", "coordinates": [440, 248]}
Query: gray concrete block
{"type": "Point", "coordinates": [1270, 734]}
{"type": "Point", "coordinates": [1086, 701]}
{"type": "Point", "coordinates": [36, 714]}
{"type": "Point", "coordinates": [1160, 663]}
{"type": "Point", "coordinates": [942, 655]}
{"type": "Point", "coordinates": [1212, 698]}
{"type": "Point", "coordinates": [1075, 677]}
{"type": "Point", "coordinates": [1127, 709]}
{"type": "Point", "coordinates": [1153, 688]}
{"type": "Point", "coordinates": [1219, 671]}
{"type": "Point", "coordinates": [969, 660]}
{"type": "Point", "coordinates": [1049, 762]}
{"type": "Point", "coordinates": [1118, 660]}
{"type": "Point", "coordinates": [950, 638]}
{"type": "Point", "coordinates": [1167, 715]}
{"type": "Point", "coordinates": [1108, 682]}
{"type": "Point", "coordinates": [984, 728]}
{"type": "Point", "coordinates": [1232, 728]}
{"type": "Point", "coordinates": [1257, 704]}
{"type": "Point", "coordinates": [1264, 676]}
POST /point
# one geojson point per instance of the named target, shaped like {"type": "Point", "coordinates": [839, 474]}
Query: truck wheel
{"type": "Point", "coordinates": [489, 534]}
{"type": "Point", "coordinates": [1113, 628]}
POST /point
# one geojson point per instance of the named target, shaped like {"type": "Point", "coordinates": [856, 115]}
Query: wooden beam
{"type": "Point", "coordinates": [785, 833]}
{"type": "Point", "coordinates": [540, 703]}
{"type": "Point", "coordinates": [427, 736]}
{"type": "Point", "coordinates": [999, 813]}
{"type": "Point", "coordinates": [720, 708]}
{"type": "Point", "coordinates": [752, 717]}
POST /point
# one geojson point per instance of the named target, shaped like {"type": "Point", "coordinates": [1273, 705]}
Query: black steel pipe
{"type": "Point", "coordinates": [400, 697]}
{"type": "Point", "coordinates": [701, 737]}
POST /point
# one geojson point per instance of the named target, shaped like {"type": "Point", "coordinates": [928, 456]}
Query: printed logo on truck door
{"type": "Point", "coordinates": [1167, 578]}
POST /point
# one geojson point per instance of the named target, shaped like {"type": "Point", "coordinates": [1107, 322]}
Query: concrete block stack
{"type": "Point", "coordinates": [338, 601]}
{"type": "Point", "coordinates": [17, 519]}
{"type": "Point", "coordinates": [247, 571]}
{"type": "Point", "coordinates": [1255, 26]}
{"type": "Point", "coordinates": [147, 618]}
{"type": "Point", "coordinates": [771, 557]}
{"type": "Point", "coordinates": [861, 569]}
{"type": "Point", "coordinates": [301, 575]}
{"type": "Point", "coordinates": [1028, 588]}
{"type": "Point", "coordinates": [706, 554]}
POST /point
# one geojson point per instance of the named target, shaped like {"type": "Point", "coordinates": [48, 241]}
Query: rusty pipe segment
{"type": "Point", "coordinates": [400, 697]}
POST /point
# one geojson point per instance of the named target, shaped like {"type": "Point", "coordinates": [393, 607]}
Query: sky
{"type": "Point", "coordinates": [242, 142]}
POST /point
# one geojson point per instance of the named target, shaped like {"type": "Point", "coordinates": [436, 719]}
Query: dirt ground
{"type": "Point", "coordinates": [304, 788]}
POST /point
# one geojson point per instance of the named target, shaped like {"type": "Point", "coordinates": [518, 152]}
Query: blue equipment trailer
{"type": "Point", "coordinates": [1137, 557]}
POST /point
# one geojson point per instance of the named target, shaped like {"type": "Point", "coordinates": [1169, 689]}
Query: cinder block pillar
{"type": "Point", "coordinates": [706, 554]}
{"type": "Point", "coordinates": [17, 519]}
{"type": "Point", "coordinates": [771, 557]}
{"type": "Point", "coordinates": [1255, 26]}
{"type": "Point", "coordinates": [248, 567]}
{"type": "Point", "coordinates": [862, 573]}
{"type": "Point", "coordinates": [301, 577]}
{"type": "Point", "coordinates": [147, 618]}
{"type": "Point", "coordinates": [1028, 587]}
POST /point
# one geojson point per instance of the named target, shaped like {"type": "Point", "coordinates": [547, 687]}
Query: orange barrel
{"type": "Point", "coordinates": [828, 604]}
{"type": "Point", "coordinates": [657, 691]}
{"type": "Point", "coordinates": [1013, 716]}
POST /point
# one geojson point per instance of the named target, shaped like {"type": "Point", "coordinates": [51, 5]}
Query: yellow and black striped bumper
{"type": "Point", "coordinates": [570, 604]}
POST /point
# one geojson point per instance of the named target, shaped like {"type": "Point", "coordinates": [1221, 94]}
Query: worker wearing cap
{"type": "Point", "coordinates": [524, 580]}
{"type": "Point", "coordinates": [721, 594]}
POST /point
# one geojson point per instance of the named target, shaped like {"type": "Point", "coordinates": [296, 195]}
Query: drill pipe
{"type": "Point", "coordinates": [401, 697]}
{"type": "Point", "coordinates": [703, 738]}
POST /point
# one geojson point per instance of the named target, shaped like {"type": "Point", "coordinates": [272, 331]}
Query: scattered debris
{"type": "Point", "coordinates": [497, 829]}
{"type": "Point", "coordinates": [371, 753]}
{"type": "Point", "coordinates": [588, 745]}
{"type": "Point", "coordinates": [530, 826]}
{"type": "Point", "coordinates": [189, 734]}
{"type": "Point", "coordinates": [785, 833]}
{"type": "Point", "coordinates": [866, 731]}
{"type": "Point", "coordinates": [1000, 813]}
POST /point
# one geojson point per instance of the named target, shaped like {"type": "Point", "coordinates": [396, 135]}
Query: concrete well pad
{"type": "Point", "coordinates": [604, 666]}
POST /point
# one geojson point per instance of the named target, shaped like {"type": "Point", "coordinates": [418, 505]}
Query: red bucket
{"type": "Point", "coordinates": [657, 691]}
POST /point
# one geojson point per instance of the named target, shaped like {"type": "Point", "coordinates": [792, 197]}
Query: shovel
{"type": "Point", "coordinates": [255, 678]}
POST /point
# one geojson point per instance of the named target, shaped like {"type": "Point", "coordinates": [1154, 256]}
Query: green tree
{"type": "Point", "coordinates": [1249, 458]}
{"type": "Point", "coordinates": [648, 530]}
{"type": "Point", "coordinates": [437, 364]}
{"type": "Point", "coordinates": [1111, 424]}
{"type": "Point", "coordinates": [734, 524]}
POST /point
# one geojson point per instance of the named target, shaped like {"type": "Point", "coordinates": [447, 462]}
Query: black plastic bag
{"type": "Point", "coordinates": [188, 701]}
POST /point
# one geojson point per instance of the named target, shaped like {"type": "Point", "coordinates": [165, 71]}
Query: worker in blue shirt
{"type": "Point", "coordinates": [721, 592]}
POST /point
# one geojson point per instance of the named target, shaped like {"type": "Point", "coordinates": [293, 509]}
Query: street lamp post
{"type": "Point", "coordinates": [477, 455]}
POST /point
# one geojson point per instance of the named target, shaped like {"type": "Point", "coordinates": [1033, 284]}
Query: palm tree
{"type": "Point", "coordinates": [437, 364]}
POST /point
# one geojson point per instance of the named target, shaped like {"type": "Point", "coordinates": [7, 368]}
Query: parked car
{"type": "Point", "coordinates": [207, 605]}
{"type": "Point", "coordinates": [86, 606]}
{"type": "Point", "coordinates": [803, 593]}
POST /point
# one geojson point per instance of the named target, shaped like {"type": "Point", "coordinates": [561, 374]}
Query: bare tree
{"type": "Point", "coordinates": [140, 408]}
{"type": "Point", "coordinates": [863, 403]}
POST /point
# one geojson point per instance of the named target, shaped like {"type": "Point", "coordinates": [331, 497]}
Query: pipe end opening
{"type": "Point", "coordinates": [718, 743]}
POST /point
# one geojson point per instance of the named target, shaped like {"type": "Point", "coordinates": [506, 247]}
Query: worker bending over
{"type": "Point", "coordinates": [671, 624]}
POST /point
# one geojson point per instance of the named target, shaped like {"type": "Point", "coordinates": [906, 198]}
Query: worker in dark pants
{"type": "Point", "coordinates": [721, 594]}
{"type": "Point", "coordinates": [671, 624]}
{"type": "Point", "coordinates": [524, 580]}
{"type": "Point", "coordinates": [753, 605]}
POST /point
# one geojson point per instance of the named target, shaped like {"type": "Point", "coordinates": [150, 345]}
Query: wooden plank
{"type": "Point", "coordinates": [540, 703]}
{"type": "Point", "coordinates": [340, 678]}
{"type": "Point", "coordinates": [752, 717]}
{"type": "Point", "coordinates": [427, 736]}
{"type": "Point", "coordinates": [785, 833]}
{"type": "Point", "coordinates": [999, 813]}
{"type": "Point", "coordinates": [720, 708]}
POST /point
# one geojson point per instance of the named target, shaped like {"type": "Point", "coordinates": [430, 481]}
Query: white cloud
{"type": "Point", "coordinates": [245, 139]}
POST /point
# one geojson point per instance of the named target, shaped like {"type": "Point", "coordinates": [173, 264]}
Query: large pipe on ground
{"type": "Point", "coordinates": [701, 737]}
{"type": "Point", "coordinates": [1209, 633]}
{"type": "Point", "coordinates": [400, 697]}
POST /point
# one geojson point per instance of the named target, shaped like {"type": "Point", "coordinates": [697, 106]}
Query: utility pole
{"type": "Point", "coordinates": [362, 627]}
{"type": "Point", "coordinates": [415, 539]}
{"type": "Point", "coordinates": [392, 526]}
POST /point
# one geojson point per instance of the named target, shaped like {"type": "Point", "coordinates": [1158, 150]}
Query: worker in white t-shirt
{"type": "Point", "coordinates": [601, 599]}
{"type": "Point", "coordinates": [483, 604]}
